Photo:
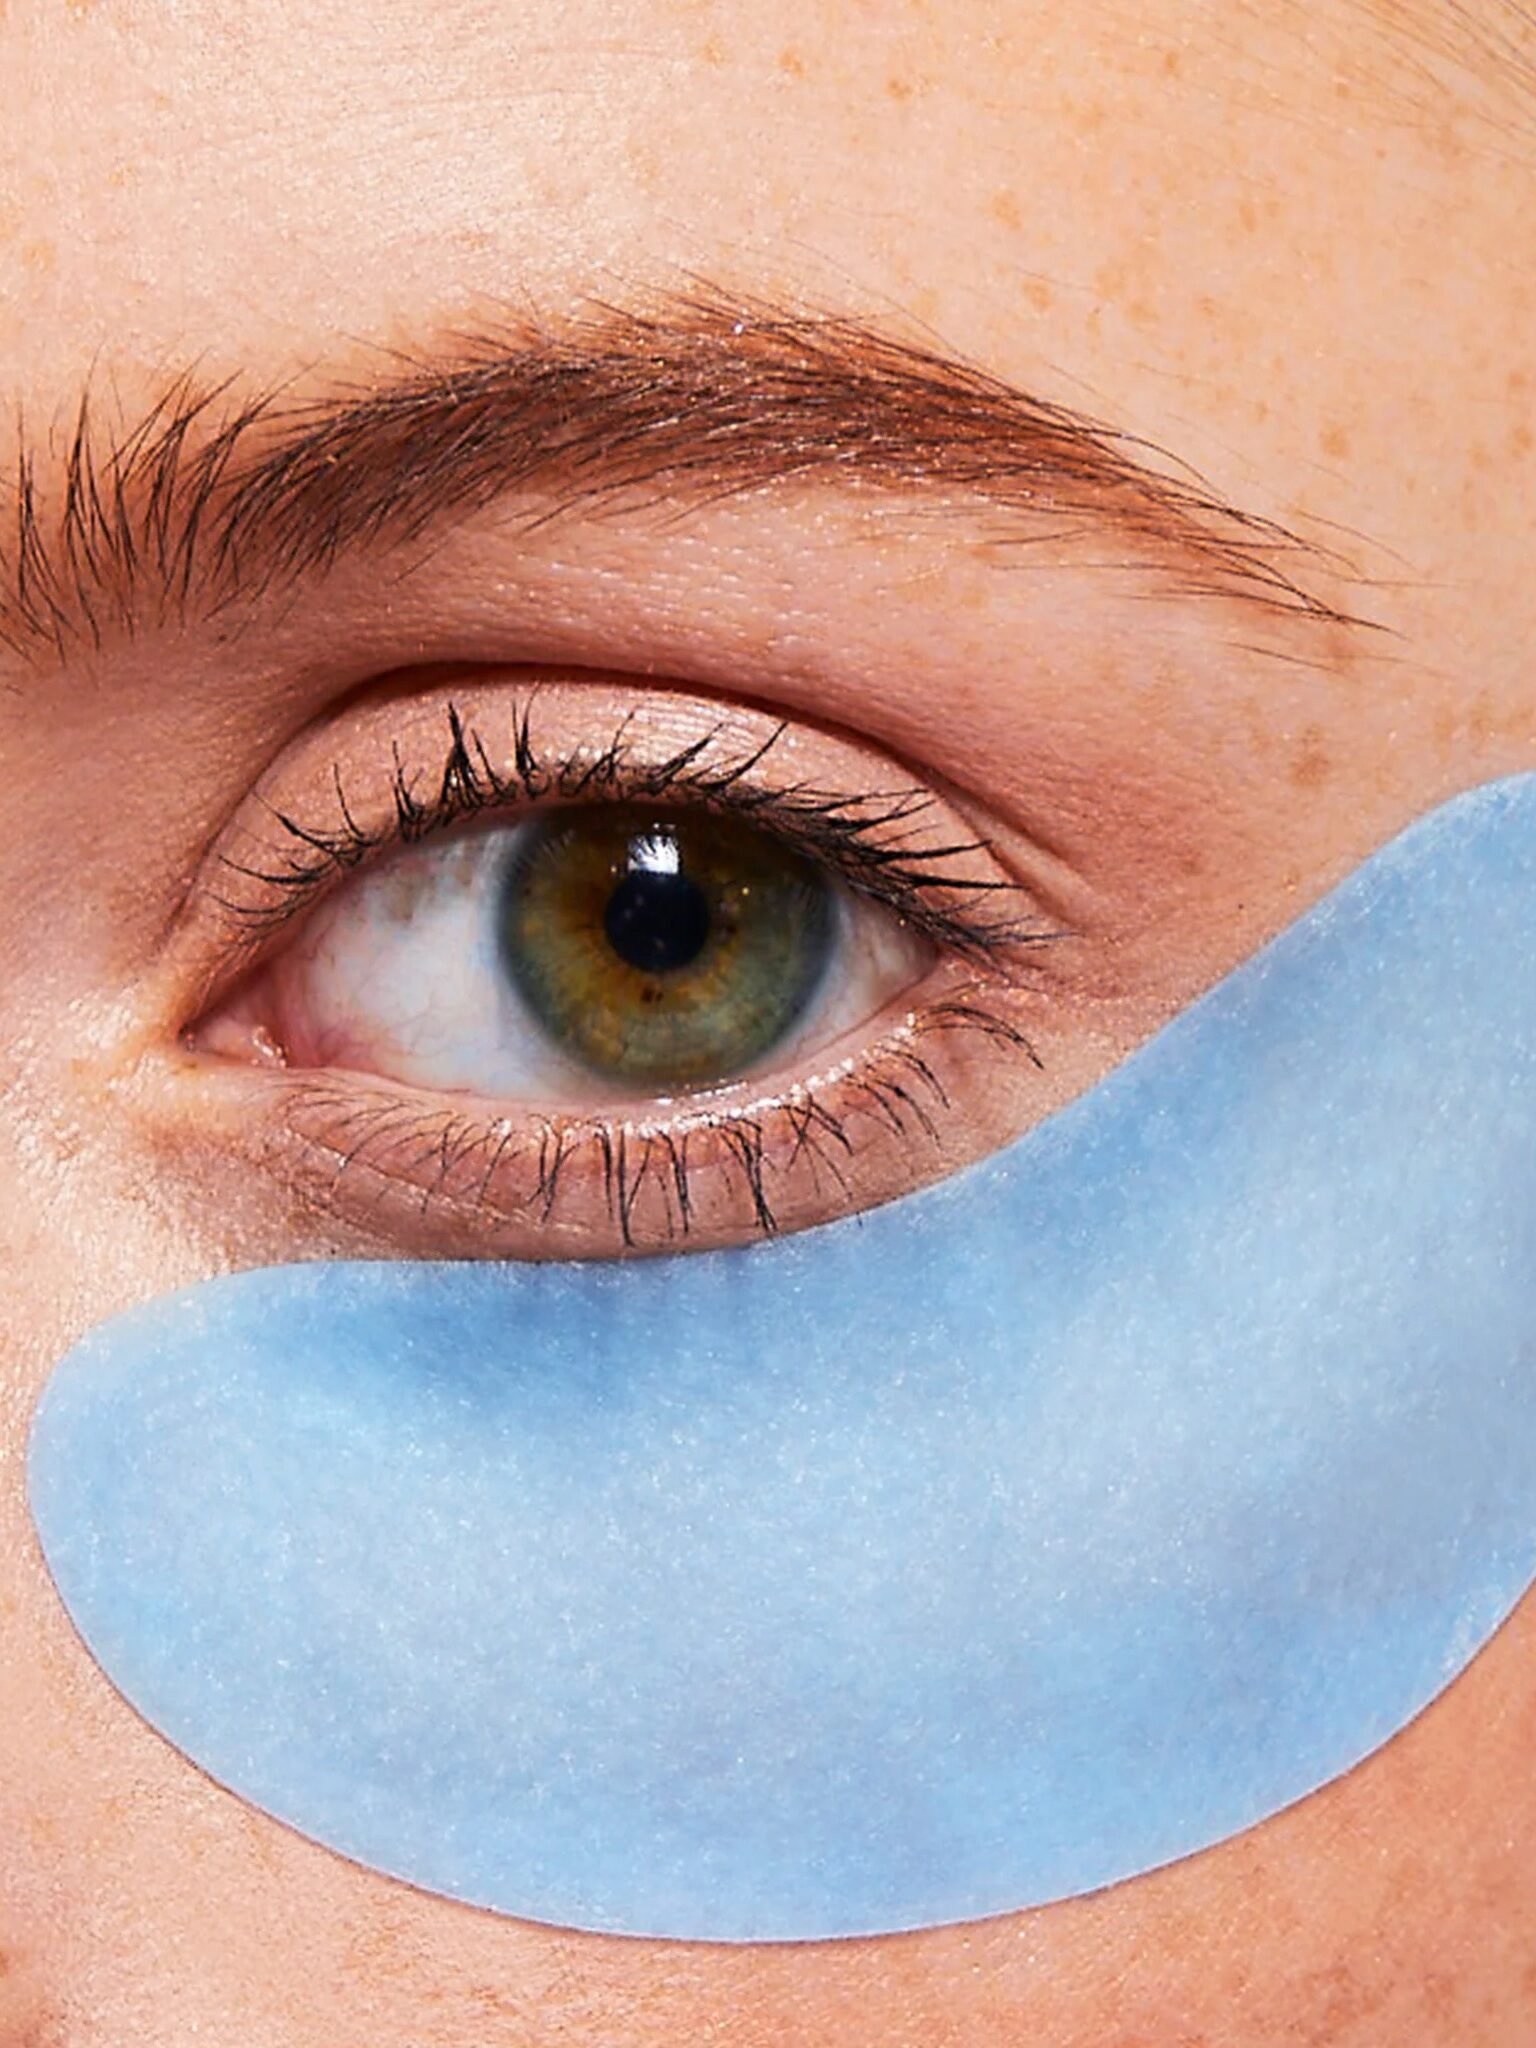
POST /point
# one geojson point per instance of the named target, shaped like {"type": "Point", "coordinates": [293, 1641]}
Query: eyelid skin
{"type": "Point", "coordinates": [1054, 1523]}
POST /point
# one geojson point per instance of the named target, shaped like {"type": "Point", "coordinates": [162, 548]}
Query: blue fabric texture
{"type": "Point", "coordinates": [1022, 1535]}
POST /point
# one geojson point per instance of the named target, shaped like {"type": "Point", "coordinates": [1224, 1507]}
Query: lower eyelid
{"type": "Point", "coordinates": [384, 1171]}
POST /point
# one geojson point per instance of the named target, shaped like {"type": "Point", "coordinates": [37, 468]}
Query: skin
{"type": "Point", "coordinates": [1292, 247]}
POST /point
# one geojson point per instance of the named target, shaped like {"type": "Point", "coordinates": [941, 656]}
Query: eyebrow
{"type": "Point", "coordinates": [212, 498]}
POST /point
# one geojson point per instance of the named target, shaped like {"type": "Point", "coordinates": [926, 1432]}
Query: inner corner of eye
{"type": "Point", "coordinates": [609, 945]}
{"type": "Point", "coordinates": [232, 1031]}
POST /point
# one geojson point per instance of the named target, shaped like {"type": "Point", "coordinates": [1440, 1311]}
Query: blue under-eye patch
{"type": "Point", "coordinates": [1020, 1536]}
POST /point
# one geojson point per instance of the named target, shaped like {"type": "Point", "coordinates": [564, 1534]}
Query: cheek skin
{"type": "Point", "coordinates": [1385, 1902]}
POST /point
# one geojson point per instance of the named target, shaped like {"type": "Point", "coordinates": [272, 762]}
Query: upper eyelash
{"type": "Point", "coordinates": [858, 835]}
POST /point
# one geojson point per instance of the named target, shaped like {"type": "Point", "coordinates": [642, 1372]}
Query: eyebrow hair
{"type": "Point", "coordinates": [213, 498]}
{"type": "Point", "coordinates": [1421, 63]}
{"type": "Point", "coordinates": [1450, 43]}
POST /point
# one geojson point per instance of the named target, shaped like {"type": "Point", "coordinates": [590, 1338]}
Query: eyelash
{"type": "Point", "coordinates": [459, 1166]}
{"type": "Point", "coordinates": [625, 1157]}
{"type": "Point", "coordinates": [847, 832]}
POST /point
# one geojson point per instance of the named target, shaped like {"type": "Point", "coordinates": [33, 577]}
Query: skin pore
{"type": "Point", "coordinates": [1287, 247]}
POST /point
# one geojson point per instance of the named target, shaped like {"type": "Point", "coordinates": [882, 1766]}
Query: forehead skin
{"type": "Point", "coordinates": [1292, 243]}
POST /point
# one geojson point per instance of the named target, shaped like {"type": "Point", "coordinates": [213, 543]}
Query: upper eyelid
{"type": "Point", "coordinates": [431, 769]}
{"type": "Point", "coordinates": [469, 786]}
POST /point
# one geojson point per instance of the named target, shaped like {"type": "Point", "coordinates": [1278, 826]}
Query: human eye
{"type": "Point", "coordinates": [560, 964]}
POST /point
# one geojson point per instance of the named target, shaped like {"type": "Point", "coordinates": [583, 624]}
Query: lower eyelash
{"type": "Point", "coordinates": [466, 1168]}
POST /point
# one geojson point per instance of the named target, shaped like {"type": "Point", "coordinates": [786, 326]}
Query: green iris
{"type": "Point", "coordinates": [668, 948]}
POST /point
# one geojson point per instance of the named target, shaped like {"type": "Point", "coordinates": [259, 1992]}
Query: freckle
{"type": "Point", "coordinates": [1038, 294]}
{"type": "Point", "coordinates": [1334, 442]}
{"type": "Point", "coordinates": [1005, 208]}
{"type": "Point", "coordinates": [643, 165]}
{"type": "Point", "coordinates": [1482, 717]}
{"type": "Point", "coordinates": [899, 88]}
{"type": "Point", "coordinates": [712, 51]}
{"type": "Point", "coordinates": [791, 63]}
{"type": "Point", "coordinates": [41, 258]}
{"type": "Point", "coordinates": [1310, 765]}
{"type": "Point", "coordinates": [1173, 63]}
{"type": "Point", "coordinates": [1445, 139]}
{"type": "Point", "coordinates": [1248, 217]}
{"type": "Point", "coordinates": [1521, 441]}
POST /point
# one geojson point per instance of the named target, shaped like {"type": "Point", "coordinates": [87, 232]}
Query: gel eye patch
{"type": "Point", "coordinates": [1017, 1537]}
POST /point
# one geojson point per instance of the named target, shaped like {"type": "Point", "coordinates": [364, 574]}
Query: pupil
{"type": "Point", "coordinates": [657, 922]}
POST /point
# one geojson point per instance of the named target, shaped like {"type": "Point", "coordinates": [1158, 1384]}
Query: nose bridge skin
{"type": "Point", "coordinates": [1015, 1538]}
